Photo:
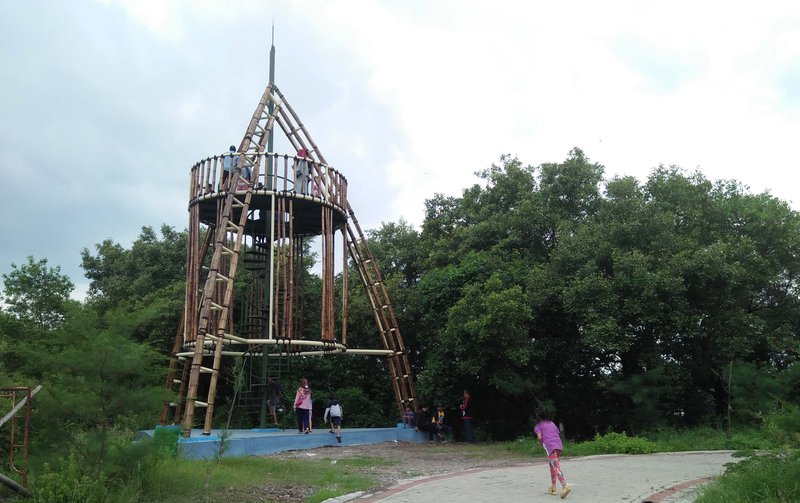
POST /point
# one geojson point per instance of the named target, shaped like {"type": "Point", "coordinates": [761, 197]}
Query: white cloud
{"type": "Point", "coordinates": [538, 79]}
{"type": "Point", "coordinates": [108, 104]}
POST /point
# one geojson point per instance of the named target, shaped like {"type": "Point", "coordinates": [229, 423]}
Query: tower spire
{"type": "Point", "coordinates": [272, 57]}
{"type": "Point", "coordinates": [270, 105]}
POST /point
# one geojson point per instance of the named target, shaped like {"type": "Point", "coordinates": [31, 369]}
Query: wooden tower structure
{"type": "Point", "coordinates": [257, 210]}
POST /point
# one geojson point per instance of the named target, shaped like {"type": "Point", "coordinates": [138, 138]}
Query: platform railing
{"type": "Point", "coordinates": [279, 173]}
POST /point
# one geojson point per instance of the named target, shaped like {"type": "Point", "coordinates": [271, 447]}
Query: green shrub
{"type": "Point", "coordinates": [759, 479]}
{"type": "Point", "coordinates": [67, 485]}
{"type": "Point", "coordinates": [615, 443]}
{"type": "Point", "coordinates": [783, 427]}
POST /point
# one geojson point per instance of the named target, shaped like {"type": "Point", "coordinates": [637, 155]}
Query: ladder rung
{"type": "Point", "coordinates": [198, 403]}
{"type": "Point", "coordinates": [216, 307]}
{"type": "Point", "coordinates": [220, 277]}
{"type": "Point", "coordinates": [176, 381]}
{"type": "Point", "coordinates": [205, 370]}
{"type": "Point", "coordinates": [226, 250]}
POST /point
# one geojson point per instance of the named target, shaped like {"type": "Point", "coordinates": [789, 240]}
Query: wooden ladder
{"type": "Point", "coordinates": [371, 280]}
{"type": "Point", "coordinates": [383, 312]}
{"type": "Point", "coordinates": [217, 293]}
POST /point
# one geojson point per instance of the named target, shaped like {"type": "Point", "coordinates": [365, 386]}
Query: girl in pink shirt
{"type": "Point", "coordinates": [302, 406]}
{"type": "Point", "coordinates": [548, 435]}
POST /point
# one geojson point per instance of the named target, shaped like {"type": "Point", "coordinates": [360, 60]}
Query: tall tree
{"type": "Point", "coordinates": [36, 293]}
{"type": "Point", "coordinates": [149, 276]}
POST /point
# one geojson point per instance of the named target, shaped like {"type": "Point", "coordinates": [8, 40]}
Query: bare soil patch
{"type": "Point", "coordinates": [405, 461]}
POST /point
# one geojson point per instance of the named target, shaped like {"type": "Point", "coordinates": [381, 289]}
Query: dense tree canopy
{"type": "Point", "coordinates": [621, 304]}
{"type": "Point", "coordinates": [37, 294]}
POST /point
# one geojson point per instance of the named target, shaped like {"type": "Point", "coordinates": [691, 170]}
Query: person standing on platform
{"type": "Point", "coordinates": [467, 417]}
{"type": "Point", "coordinates": [229, 163]}
{"type": "Point", "coordinates": [275, 391]}
{"type": "Point", "coordinates": [302, 406]}
{"type": "Point", "coordinates": [335, 412]}
{"type": "Point", "coordinates": [302, 173]}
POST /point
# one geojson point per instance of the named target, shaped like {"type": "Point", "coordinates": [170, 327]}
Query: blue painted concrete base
{"type": "Point", "coordinates": [258, 442]}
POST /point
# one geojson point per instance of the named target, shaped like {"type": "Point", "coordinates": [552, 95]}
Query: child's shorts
{"type": "Point", "coordinates": [336, 420]}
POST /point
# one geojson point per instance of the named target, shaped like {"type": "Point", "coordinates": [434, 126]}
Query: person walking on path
{"type": "Point", "coordinates": [335, 411]}
{"type": "Point", "coordinates": [467, 417]}
{"type": "Point", "coordinates": [548, 435]}
{"type": "Point", "coordinates": [302, 406]}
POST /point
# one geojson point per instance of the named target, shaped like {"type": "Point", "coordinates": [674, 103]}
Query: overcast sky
{"type": "Point", "coordinates": [105, 105]}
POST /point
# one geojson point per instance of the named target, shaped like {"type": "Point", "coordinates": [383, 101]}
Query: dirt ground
{"type": "Point", "coordinates": [405, 461]}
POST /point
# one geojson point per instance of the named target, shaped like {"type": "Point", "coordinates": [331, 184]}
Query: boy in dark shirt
{"type": "Point", "coordinates": [423, 422]}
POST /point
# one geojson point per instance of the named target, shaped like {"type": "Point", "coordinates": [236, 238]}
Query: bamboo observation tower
{"type": "Point", "coordinates": [258, 210]}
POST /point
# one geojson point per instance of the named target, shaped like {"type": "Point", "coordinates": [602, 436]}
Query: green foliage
{"type": "Point", "coordinates": [99, 387]}
{"type": "Point", "coordinates": [70, 484]}
{"type": "Point", "coordinates": [37, 294]}
{"type": "Point", "coordinates": [147, 280]}
{"type": "Point", "coordinates": [359, 410]}
{"type": "Point", "coordinates": [150, 264]}
{"type": "Point", "coordinates": [705, 438]}
{"type": "Point", "coordinates": [166, 480]}
{"type": "Point", "coordinates": [769, 478]}
{"type": "Point", "coordinates": [755, 390]}
{"type": "Point", "coordinates": [615, 443]}
{"type": "Point", "coordinates": [782, 427]}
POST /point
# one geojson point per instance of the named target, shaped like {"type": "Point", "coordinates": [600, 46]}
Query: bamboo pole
{"type": "Point", "coordinates": [19, 405]}
{"type": "Point", "coordinates": [315, 149]}
{"type": "Point", "coordinates": [228, 295]}
{"type": "Point", "coordinates": [208, 305]}
{"type": "Point", "coordinates": [291, 269]}
{"type": "Point", "coordinates": [14, 485]}
{"type": "Point", "coordinates": [345, 291]}
{"type": "Point", "coordinates": [271, 261]}
{"type": "Point", "coordinates": [323, 305]}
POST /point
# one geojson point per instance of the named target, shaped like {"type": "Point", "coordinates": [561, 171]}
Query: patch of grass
{"type": "Point", "coordinates": [610, 443]}
{"type": "Point", "coordinates": [614, 443]}
{"type": "Point", "coordinates": [183, 480]}
{"type": "Point", "coordinates": [364, 461]}
{"type": "Point", "coordinates": [772, 478]}
{"type": "Point", "coordinates": [523, 446]}
{"type": "Point", "coordinates": [708, 439]}
{"type": "Point", "coordinates": [697, 439]}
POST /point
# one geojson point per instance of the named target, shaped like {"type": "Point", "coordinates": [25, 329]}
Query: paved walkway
{"type": "Point", "coordinates": [666, 477]}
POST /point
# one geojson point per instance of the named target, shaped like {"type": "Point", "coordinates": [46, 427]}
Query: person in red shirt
{"type": "Point", "coordinates": [467, 417]}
